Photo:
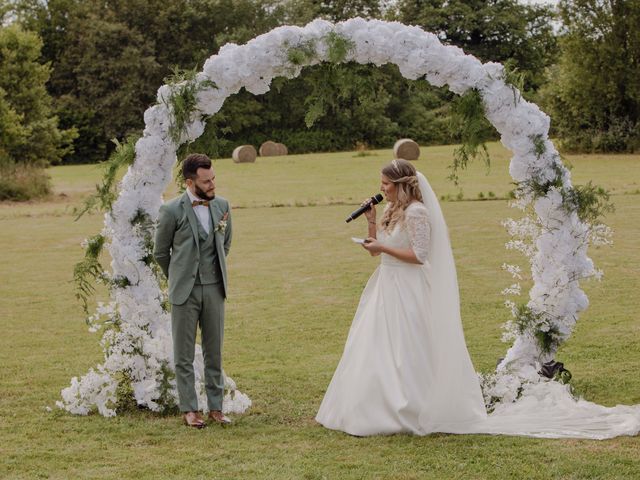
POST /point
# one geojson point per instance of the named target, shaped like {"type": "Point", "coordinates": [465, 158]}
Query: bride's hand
{"type": "Point", "coordinates": [373, 246]}
{"type": "Point", "coordinates": [371, 212]}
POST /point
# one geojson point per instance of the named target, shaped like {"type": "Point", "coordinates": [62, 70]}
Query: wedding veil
{"type": "Point", "coordinates": [458, 400]}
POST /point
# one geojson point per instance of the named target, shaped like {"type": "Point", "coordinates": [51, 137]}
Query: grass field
{"type": "Point", "coordinates": [295, 283]}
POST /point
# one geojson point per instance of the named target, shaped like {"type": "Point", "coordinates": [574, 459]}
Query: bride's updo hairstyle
{"type": "Point", "coordinates": [403, 174]}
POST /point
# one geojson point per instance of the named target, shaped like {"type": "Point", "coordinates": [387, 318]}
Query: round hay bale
{"type": "Point", "coordinates": [269, 149]}
{"type": "Point", "coordinates": [282, 149]}
{"type": "Point", "coordinates": [244, 154]}
{"type": "Point", "coordinates": [407, 149]}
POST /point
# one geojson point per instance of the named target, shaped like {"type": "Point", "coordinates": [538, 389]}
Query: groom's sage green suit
{"type": "Point", "coordinates": [194, 262]}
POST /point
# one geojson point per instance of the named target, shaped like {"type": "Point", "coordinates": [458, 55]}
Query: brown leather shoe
{"type": "Point", "coordinates": [193, 419]}
{"type": "Point", "coordinates": [218, 417]}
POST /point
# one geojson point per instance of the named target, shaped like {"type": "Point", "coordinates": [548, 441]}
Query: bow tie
{"type": "Point", "coordinates": [195, 203]}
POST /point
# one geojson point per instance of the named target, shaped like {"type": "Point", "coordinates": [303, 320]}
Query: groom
{"type": "Point", "coordinates": [191, 243]}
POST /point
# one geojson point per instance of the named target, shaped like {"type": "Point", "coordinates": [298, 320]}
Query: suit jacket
{"type": "Point", "coordinates": [176, 244]}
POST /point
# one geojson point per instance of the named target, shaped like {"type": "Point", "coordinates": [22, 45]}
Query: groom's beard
{"type": "Point", "coordinates": [204, 195]}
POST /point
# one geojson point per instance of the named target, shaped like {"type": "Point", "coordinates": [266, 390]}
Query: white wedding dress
{"type": "Point", "coordinates": [406, 368]}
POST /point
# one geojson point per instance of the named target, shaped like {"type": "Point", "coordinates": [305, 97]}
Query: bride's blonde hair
{"type": "Point", "coordinates": [403, 174]}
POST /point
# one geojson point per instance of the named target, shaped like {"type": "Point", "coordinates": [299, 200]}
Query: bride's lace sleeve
{"type": "Point", "coordinates": [419, 231]}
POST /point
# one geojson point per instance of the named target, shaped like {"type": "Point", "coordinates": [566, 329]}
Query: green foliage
{"type": "Point", "coordinates": [344, 104]}
{"type": "Point", "coordinates": [548, 340]}
{"type": "Point", "coordinates": [564, 376]}
{"type": "Point", "coordinates": [105, 73]}
{"type": "Point", "coordinates": [14, 135]}
{"type": "Point", "coordinates": [142, 222]}
{"type": "Point", "coordinates": [524, 318]}
{"type": "Point", "coordinates": [474, 130]}
{"type": "Point", "coordinates": [339, 47]}
{"type": "Point", "coordinates": [515, 78]}
{"type": "Point", "coordinates": [593, 93]}
{"type": "Point", "coordinates": [591, 202]}
{"type": "Point", "coordinates": [110, 57]}
{"type": "Point", "coordinates": [339, 10]}
{"type": "Point", "coordinates": [106, 192]}
{"type": "Point", "coordinates": [183, 100]}
{"type": "Point", "coordinates": [317, 110]}
{"type": "Point", "coordinates": [88, 271]}
{"type": "Point", "coordinates": [29, 132]}
{"type": "Point", "coordinates": [538, 188]}
{"type": "Point", "coordinates": [492, 30]}
{"type": "Point", "coordinates": [166, 388]}
{"type": "Point", "coordinates": [120, 281]}
{"type": "Point", "coordinates": [539, 147]}
{"type": "Point", "coordinates": [302, 53]}
{"type": "Point", "coordinates": [125, 397]}
{"type": "Point", "coordinates": [528, 321]}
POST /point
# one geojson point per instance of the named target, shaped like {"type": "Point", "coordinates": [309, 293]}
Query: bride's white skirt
{"type": "Point", "coordinates": [401, 374]}
{"type": "Point", "coordinates": [390, 377]}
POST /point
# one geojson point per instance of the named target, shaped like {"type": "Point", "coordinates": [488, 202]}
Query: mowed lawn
{"type": "Point", "coordinates": [295, 283]}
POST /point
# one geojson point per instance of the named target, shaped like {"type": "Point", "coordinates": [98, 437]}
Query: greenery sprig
{"type": "Point", "coordinates": [88, 271]}
{"type": "Point", "coordinates": [590, 202]}
{"type": "Point", "coordinates": [527, 321]}
{"type": "Point", "coordinates": [122, 156]}
{"type": "Point", "coordinates": [184, 88]}
{"type": "Point", "coordinates": [514, 78]}
{"type": "Point", "coordinates": [470, 120]}
{"type": "Point", "coordinates": [339, 47]}
{"type": "Point", "coordinates": [302, 53]}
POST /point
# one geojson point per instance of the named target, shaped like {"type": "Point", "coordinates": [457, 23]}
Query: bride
{"type": "Point", "coordinates": [405, 366]}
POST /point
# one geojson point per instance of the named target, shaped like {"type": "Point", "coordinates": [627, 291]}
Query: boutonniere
{"type": "Point", "coordinates": [222, 224]}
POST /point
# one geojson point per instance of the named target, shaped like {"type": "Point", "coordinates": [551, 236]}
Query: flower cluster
{"type": "Point", "coordinates": [222, 224]}
{"type": "Point", "coordinates": [137, 337]}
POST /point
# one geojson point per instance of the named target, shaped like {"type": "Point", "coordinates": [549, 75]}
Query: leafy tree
{"type": "Point", "coordinates": [30, 131]}
{"type": "Point", "coordinates": [492, 30]}
{"type": "Point", "coordinates": [300, 12]}
{"type": "Point", "coordinates": [109, 57]}
{"type": "Point", "coordinates": [14, 135]}
{"type": "Point", "coordinates": [594, 91]}
{"type": "Point", "coordinates": [104, 79]}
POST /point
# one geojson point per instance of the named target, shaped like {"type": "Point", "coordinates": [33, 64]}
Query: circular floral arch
{"type": "Point", "coordinates": [137, 335]}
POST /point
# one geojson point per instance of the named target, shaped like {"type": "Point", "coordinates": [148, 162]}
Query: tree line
{"type": "Point", "coordinates": [75, 74]}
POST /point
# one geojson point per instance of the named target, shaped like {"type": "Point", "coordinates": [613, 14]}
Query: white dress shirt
{"type": "Point", "coordinates": [202, 212]}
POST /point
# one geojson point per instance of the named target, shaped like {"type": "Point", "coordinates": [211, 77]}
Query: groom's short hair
{"type": "Point", "coordinates": [192, 163]}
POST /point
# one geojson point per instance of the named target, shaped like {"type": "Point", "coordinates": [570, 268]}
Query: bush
{"type": "Point", "coordinates": [23, 182]}
{"type": "Point", "coordinates": [621, 136]}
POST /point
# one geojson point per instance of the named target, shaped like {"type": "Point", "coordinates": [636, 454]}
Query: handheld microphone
{"type": "Point", "coordinates": [376, 199]}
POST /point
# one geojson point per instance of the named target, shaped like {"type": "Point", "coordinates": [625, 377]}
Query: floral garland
{"type": "Point", "coordinates": [553, 234]}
